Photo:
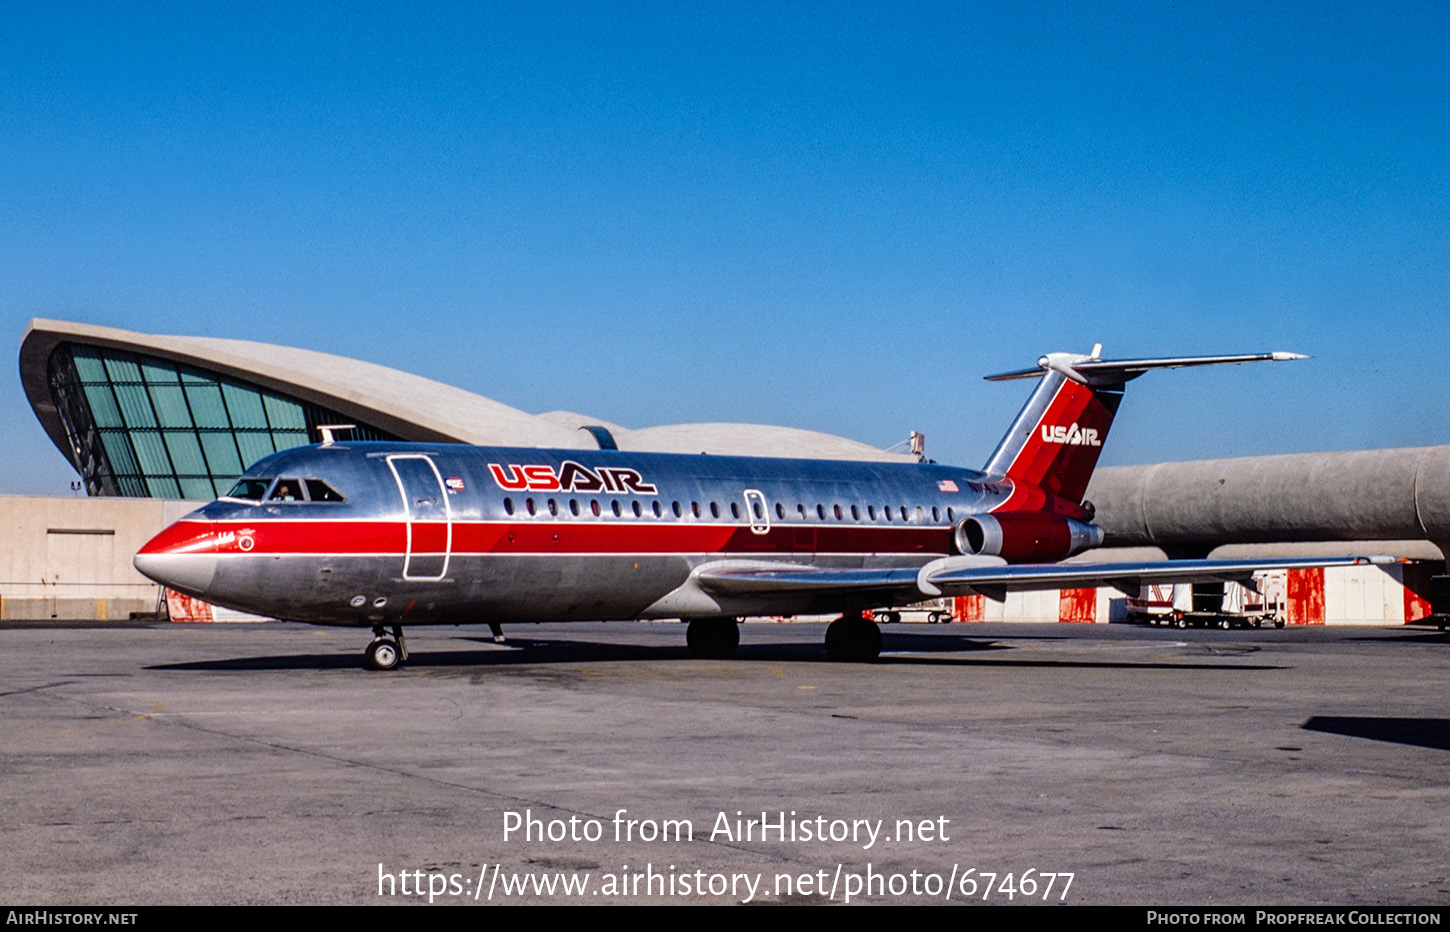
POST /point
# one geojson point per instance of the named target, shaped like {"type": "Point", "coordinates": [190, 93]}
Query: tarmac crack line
{"type": "Point", "coordinates": [31, 689]}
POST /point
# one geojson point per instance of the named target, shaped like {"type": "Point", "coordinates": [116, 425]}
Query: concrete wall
{"type": "Point", "coordinates": [70, 558]}
{"type": "Point", "coordinates": [1341, 595]}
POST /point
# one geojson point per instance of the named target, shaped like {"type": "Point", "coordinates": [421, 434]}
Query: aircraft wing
{"type": "Point", "coordinates": [989, 576]}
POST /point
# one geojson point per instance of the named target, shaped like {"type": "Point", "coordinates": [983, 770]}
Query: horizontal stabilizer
{"type": "Point", "coordinates": [1090, 370]}
{"type": "Point", "coordinates": [1054, 443]}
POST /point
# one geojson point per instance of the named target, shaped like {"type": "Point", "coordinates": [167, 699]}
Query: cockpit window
{"type": "Point", "coordinates": [251, 490]}
{"type": "Point", "coordinates": [319, 491]}
{"type": "Point", "coordinates": [287, 490]}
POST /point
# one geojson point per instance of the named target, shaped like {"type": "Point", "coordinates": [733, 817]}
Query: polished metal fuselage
{"type": "Point", "coordinates": [451, 534]}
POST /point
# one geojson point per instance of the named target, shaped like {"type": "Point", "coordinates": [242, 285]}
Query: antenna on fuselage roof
{"type": "Point", "coordinates": [326, 431]}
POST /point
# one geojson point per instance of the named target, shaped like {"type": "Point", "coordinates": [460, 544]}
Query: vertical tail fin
{"type": "Point", "coordinates": [1056, 439]}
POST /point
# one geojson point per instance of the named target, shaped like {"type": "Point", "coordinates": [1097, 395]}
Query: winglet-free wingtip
{"type": "Point", "coordinates": [1280, 356]}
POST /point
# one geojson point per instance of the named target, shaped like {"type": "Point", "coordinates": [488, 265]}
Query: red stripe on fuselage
{"type": "Point", "coordinates": [474, 537]}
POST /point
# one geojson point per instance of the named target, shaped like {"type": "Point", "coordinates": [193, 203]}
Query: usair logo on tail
{"type": "Point", "coordinates": [1072, 436]}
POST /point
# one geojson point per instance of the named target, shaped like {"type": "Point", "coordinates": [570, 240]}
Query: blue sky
{"type": "Point", "coordinates": [834, 216]}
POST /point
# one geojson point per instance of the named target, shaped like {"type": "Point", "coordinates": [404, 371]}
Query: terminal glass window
{"type": "Point", "coordinates": [149, 428]}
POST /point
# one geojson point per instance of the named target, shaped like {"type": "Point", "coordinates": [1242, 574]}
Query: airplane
{"type": "Point", "coordinates": [381, 535]}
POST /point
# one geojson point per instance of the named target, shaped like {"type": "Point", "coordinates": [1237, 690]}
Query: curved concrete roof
{"type": "Point", "coordinates": [752, 440]}
{"type": "Point", "coordinates": [410, 406]}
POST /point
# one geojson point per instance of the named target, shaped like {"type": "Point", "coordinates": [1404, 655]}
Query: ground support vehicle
{"type": "Point", "coordinates": [1213, 605]}
{"type": "Point", "coordinates": [931, 611]}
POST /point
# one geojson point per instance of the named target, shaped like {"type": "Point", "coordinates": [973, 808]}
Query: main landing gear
{"type": "Point", "coordinates": [712, 638]}
{"type": "Point", "coordinates": [850, 638]}
{"type": "Point", "coordinates": [853, 639]}
{"type": "Point", "coordinates": [386, 653]}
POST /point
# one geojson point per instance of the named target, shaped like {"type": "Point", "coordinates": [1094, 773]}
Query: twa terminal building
{"type": "Point", "coordinates": [154, 425]}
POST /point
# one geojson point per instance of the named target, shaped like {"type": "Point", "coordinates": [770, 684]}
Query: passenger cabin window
{"type": "Point", "coordinates": [250, 490]}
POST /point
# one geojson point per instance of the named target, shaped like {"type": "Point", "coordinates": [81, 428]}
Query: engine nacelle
{"type": "Point", "coordinates": [1025, 537]}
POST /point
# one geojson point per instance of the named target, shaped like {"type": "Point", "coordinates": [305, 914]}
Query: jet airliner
{"type": "Point", "coordinates": [384, 535]}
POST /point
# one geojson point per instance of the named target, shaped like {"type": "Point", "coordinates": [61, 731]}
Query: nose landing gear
{"type": "Point", "coordinates": [386, 653]}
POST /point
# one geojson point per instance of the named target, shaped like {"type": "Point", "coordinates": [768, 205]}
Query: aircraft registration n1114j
{"type": "Point", "coordinates": [382, 535]}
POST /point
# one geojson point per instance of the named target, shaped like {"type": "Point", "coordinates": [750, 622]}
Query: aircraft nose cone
{"type": "Point", "coordinates": [191, 573]}
{"type": "Point", "coordinates": [182, 557]}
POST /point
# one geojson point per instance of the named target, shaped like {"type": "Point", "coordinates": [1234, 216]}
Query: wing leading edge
{"type": "Point", "coordinates": [989, 576]}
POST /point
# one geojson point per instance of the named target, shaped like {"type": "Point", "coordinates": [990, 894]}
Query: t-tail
{"type": "Point", "coordinates": [1055, 441]}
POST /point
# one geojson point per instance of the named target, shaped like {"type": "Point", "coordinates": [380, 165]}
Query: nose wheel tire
{"type": "Point", "coordinates": [853, 640]}
{"type": "Point", "coordinates": [383, 654]}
